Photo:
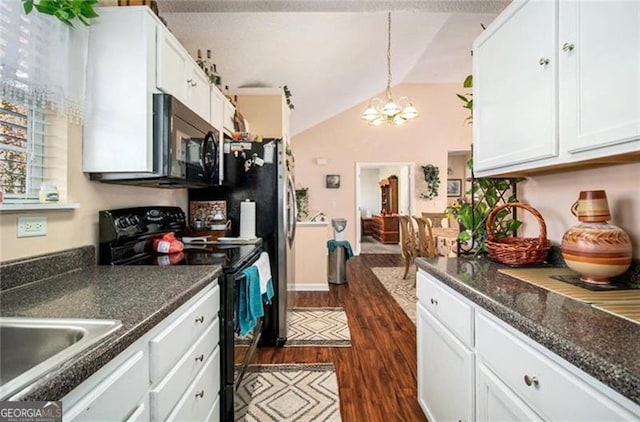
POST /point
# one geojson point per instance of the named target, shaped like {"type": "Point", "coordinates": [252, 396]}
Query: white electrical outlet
{"type": "Point", "coordinates": [32, 226]}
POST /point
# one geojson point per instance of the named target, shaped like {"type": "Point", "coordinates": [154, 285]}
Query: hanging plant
{"type": "Point", "coordinates": [302, 202]}
{"type": "Point", "coordinates": [432, 177]}
{"type": "Point", "coordinates": [64, 10]}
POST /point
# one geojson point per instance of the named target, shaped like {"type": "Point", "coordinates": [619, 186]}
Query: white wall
{"type": "Point", "coordinates": [404, 191]}
{"type": "Point", "coordinates": [370, 190]}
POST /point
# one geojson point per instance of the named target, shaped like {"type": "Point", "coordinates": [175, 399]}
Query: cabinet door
{"type": "Point", "coordinates": [216, 110]}
{"type": "Point", "coordinates": [515, 87]}
{"type": "Point", "coordinates": [496, 402]}
{"type": "Point", "coordinates": [199, 91]}
{"type": "Point", "coordinates": [445, 372]}
{"type": "Point", "coordinates": [124, 386]}
{"type": "Point", "coordinates": [173, 67]}
{"type": "Point", "coordinates": [228, 115]}
{"type": "Point", "coordinates": [599, 67]}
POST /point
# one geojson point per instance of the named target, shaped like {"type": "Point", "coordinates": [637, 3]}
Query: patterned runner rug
{"type": "Point", "coordinates": [403, 291]}
{"type": "Point", "coordinates": [314, 327]}
{"type": "Point", "coordinates": [291, 392]}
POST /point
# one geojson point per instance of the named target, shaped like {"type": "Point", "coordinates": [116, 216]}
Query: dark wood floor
{"type": "Point", "coordinates": [377, 375]}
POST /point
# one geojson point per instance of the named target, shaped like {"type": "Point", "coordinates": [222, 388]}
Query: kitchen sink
{"type": "Point", "coordinates": [30, 347]}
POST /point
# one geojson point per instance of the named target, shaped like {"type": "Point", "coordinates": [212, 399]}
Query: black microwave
{"type": "Point", "coordinates": [187, 150]}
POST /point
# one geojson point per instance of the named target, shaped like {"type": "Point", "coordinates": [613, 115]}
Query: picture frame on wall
{"type": "Point", "coordinates": [332, 181]}
{"type": "Point", "coordinates": [454, 187]}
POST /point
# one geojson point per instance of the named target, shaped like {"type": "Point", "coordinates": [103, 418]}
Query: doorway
{"type": "Point", "coordinates": [369, 195]}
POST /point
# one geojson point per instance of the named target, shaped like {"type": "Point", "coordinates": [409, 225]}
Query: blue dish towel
{"type": "Point", "coordinates": [249, 300]}
{"type": "Point", "coordinates": [333, 244]}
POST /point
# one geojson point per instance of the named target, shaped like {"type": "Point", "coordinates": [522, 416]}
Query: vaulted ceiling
{"type": "Point", "coordinates": [331, 54]}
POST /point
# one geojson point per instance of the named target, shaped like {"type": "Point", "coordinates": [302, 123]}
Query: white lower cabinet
{"type": "Point", "coordinates": [496, 402]}
{"type": "Point", "coordinates": [186, 364]}
{"type": "Point", "coordinates": [501, 374]}
{"type": "Point", "coordinates": [445, 372]}
{"type": "Point", "coordinates": [547, 386]}
{"type": "Point", "coordinates": [125, 385]}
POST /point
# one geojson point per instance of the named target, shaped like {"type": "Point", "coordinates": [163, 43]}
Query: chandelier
{"type": "Point", "coordinates": [389, 111]}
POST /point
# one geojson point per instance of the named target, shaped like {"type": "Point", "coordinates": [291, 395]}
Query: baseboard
{"type": "Point", "coordinates": [311, 287]}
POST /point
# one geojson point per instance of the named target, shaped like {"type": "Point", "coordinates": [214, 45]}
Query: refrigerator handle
{"type": "Point", "coordinates": [293, 219]}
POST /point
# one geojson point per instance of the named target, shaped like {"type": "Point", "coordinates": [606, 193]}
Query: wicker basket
{"type": "Point", "coordinates": [517, 250]}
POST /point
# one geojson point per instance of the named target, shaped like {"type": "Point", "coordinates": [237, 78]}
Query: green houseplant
{"type": "Point", "coordinates": [472, 210]}
{"type": "Point", "coordinates": [64, 10]}
{"type": "Point", "coordinates": [432, 177]}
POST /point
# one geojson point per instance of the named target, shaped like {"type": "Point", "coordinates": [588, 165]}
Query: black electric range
{"type": "Point", "coordinates": [126, 237]}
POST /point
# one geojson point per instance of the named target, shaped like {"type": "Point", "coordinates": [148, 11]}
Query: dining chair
{"type": "Point", "coordinates": [426, 240]}
{"type": "Point", "coordinates": [435, 218]}
{"type": "Point", "coordinates": [407, 242]}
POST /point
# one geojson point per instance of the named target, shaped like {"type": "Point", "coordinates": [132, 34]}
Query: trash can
{"type": "Point", "coordinates": [337, 265]}
{"type": "Point", "coordinates": [339, 252]}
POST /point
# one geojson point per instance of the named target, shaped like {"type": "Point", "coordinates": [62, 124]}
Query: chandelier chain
{"type": "Point", "coordinates": [388, 110]}
{"type": "Point", "coordinates": [389, 50]}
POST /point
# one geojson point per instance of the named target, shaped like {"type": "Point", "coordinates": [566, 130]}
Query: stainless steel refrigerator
{"type": "Point", "coordinates": [263, 172]}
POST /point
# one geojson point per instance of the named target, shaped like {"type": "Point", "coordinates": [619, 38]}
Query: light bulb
{"type": "Point", "coordinates": [398, 120]}
{"type": "Point", "coordinates": [390, 109]}
{"type": "Point", "coordinates": [377, 122]}
{"type": "Point", "coordinates": [369, 114]}
{"type": "Point", "coordinates": [409, 112]}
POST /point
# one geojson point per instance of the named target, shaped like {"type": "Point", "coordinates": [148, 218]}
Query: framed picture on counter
{"type": "Point", "coordinates": [333, 181]}
{"type": "Point", "coordinates": [454, 187]}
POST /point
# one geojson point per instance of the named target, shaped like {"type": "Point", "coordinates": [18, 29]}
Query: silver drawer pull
{"type": "Point", "coordinates": [530, 381]}
{"type": "Point", "coordinates": [543, 61]}
{"type": "Point", "coordinates": [200, 319]}
{"type": "Point", "coordinates": [434, 301]}
{"type": "Point", "coordinates": [568, 47]}
{"type": "Point", "coordinates": [200, 394]}
{"type": "Point", "coordinates": [200, 358]}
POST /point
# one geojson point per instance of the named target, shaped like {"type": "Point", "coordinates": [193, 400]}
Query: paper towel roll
{"type": "Point", "coordinates": [247, 219]}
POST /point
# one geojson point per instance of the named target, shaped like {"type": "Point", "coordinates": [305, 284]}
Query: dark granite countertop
{"type": "Point", "coordinates": [603, 345]}
{"type": "Point", "coordinates": [139, 296]}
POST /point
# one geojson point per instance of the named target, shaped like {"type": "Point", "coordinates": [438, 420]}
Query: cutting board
{"type": "Point", "coordinates": [541, 277]}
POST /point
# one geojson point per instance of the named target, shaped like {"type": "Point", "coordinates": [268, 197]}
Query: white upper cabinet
{"type": "Point", "coordinates": [555, 84]}
{"type": "Point", "coordinates": [599, 68]}
{"type": "Point", "coordinates": [216, 109]}
{"type": "Point", "coordinates": [121, 82]}
{"type": "Point", "coordinates": [119, 91]}
{"type": "Point", "coordinates": [515, 87]}
{"type": "Point", "coordinates": [179, 75]}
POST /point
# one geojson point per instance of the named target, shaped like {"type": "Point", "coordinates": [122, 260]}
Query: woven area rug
{"type": "Point", "coordinates": [314, 327]}
{"type": "Point", "coordinates": [292, 392]}
{"type": "Point", "coordinates": [403, 291]}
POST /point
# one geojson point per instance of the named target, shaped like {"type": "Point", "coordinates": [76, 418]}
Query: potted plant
{"type": "Point", "coordinates": [432, 177]}
{"type": "Point", "coordinates": [472, 210]}
{"type": "Point", "coordinates": [64, 10]}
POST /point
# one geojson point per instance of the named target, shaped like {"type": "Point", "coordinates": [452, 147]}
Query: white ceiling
{"type": "Point", "coordinates": [331, 54]}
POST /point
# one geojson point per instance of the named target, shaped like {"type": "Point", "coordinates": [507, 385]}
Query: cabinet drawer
{"type": "Point", "coordinates": [200, 398]}
{"type": "Point", "coordinates": [551, 390]}
{"type": "Point", "coordinates": [446, 306]}
{"type": "Point", "coordinates": [123, 386]}
{"type": "Point", "coordinates": [173, 386]}
{"type": "Point", "coordinates": [166, 348]}
{"type": "Point", "coordinates": [214, 415]}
